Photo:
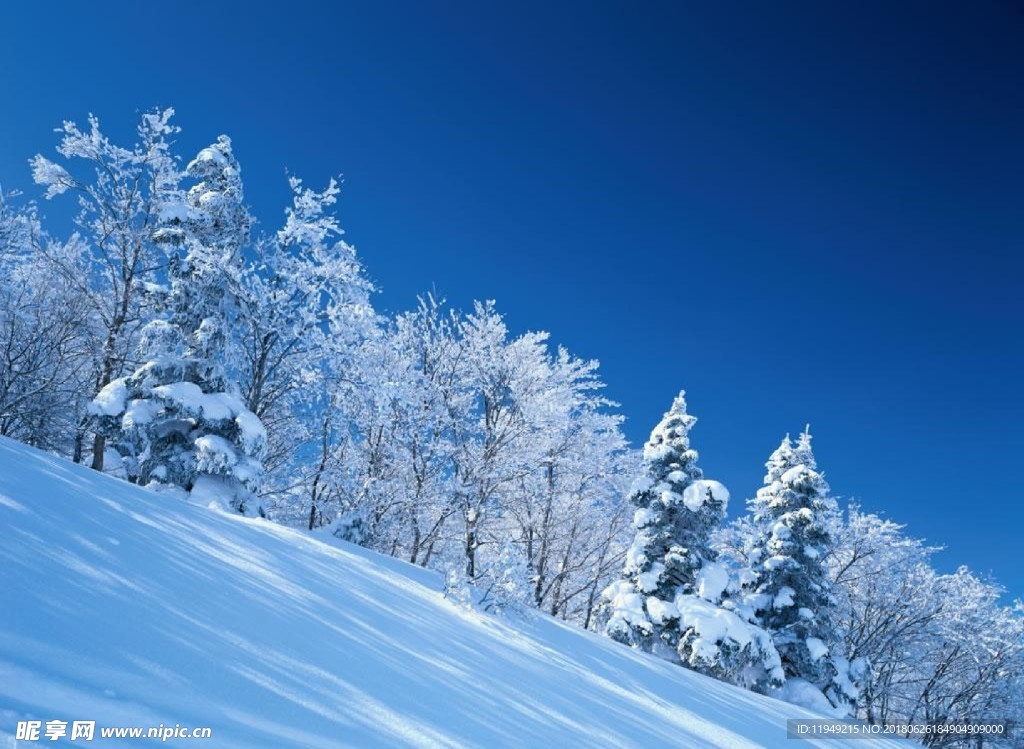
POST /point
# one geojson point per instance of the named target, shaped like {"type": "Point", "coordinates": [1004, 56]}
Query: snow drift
{"type": "Point", "coordinates": [129, 608]}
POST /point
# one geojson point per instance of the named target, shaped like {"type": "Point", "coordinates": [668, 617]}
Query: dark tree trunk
{"type": "Point", "coordinates": [99, 444]}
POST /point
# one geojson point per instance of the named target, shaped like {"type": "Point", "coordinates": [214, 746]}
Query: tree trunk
{"type": "Point", "coordinates": [76, 455]}
{"type": "Point", "coordinates": [99, 445]}
{"type": "Point", "coordinates": [471, 548]}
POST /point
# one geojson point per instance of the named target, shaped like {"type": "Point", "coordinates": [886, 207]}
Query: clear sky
{"type": "Point", "coordinates": [799, 212]}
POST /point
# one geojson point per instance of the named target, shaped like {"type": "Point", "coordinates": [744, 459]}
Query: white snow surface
{"type": "Point", "coordinates": [132, 608]}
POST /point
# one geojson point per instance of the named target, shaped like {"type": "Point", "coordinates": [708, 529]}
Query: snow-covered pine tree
{"type": "Point", "coordinates": [671, 541]}
{"type": "Point", "coordinates": [788, 581]}
{"type": "Point", "coordinates": [178, 420]}
{"type": "Point", "coordinates": [672, 599]}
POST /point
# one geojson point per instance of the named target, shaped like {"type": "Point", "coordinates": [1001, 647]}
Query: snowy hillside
{"type": "Point", "coordinates": [130, 609]}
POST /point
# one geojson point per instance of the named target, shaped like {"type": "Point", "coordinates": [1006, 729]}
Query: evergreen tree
{"type": "Point", "coordinates": [788, 580]}
{"type": "Point", "coordinates": [178, 420]}
{"type": "Point", "coordinates": [672, 531]}
{"type": "Point", "coordinates": [673, 597]}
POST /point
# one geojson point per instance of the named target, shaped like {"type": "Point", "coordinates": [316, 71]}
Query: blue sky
{"type": "Point", "coordinates": [800, 212]}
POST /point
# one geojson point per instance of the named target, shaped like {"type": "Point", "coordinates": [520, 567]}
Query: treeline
{"type": "Point", "coordinates": [167, 343]}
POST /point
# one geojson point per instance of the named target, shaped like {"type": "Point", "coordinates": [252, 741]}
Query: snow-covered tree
{"type": "Point", "coordinates": [507, 578]}
{"type": "Point", "coordinates": [567, 512]}
{"type": "Point", "coordinates": [939, 648]}
{"type": "Point", "coordinates": [46, 336]}
{"type": "Point", "coordinates": [496, 446]}
{"type": "Point", "coordinates": [672, 599]}
{"type": "Point", "coordinates": [449, 435]}
{"type": "Point", "coordinates": [18, 226]}
{"type": "Point", "coordinates": [666, 552]}
{"type": "Point", "coordinates": [304, 313]}
{"type": "Point", "coordinates": [122, 196]}
{"type": "Point", "coordinates": [887, 602]}
{"type": "Point", "coordinates": [299, 309]}
{"type": "Point", "coordinates": [537, 461]}
{"type": "Point", "coordinates": [963, 663]}
{"type": "Point", "coordinates": [788, 578]}
{"type": "Point", "coordinates": [179, 420]}
{"type": "Point", "coordinates": [465, 440]}
{"type": "Point", "coordinates": [392, 464]}
{"type": "Point", "coordinates": [673, 518]}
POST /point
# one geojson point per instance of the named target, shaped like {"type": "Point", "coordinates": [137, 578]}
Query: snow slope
{"type": "Point", "coordinates": [124, 607]}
